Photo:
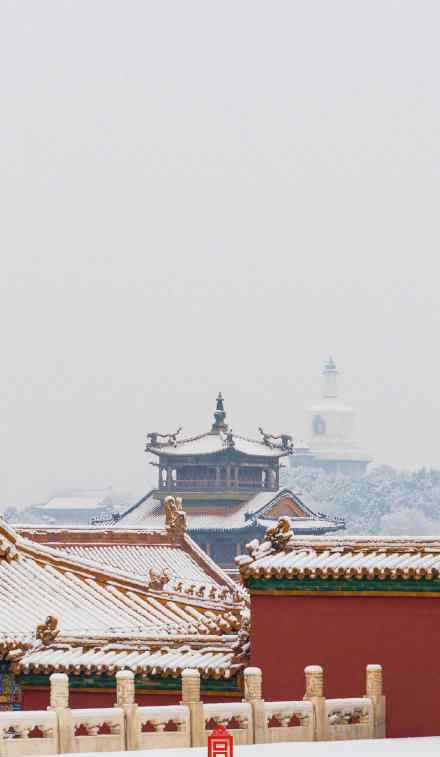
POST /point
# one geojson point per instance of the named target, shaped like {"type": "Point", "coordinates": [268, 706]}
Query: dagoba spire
{"type": "Point", "coordinates": [219, 416]}
{"type": "Point", "coordinates": [330, 379]}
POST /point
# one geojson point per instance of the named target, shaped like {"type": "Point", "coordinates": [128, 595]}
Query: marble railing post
{"type": "Point", "coordinates": [59, 701]}
{"type": "Point", "coordinates": [191, 698]}
{"type": "Point", "coordinates": [315, 695]}
{"type": "Point", "coordinates": [125, 700]}
{"type": "Point", "coordinates": [374, 691]}
{"type": "Point", "coordinates": [253, 680]}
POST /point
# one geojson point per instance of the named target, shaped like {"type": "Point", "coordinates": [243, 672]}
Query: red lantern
{"type": "Point", "coordinates": [220, 743]}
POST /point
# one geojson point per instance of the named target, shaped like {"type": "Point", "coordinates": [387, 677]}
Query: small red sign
{"type": "Point", "coordinates": [220, 743]}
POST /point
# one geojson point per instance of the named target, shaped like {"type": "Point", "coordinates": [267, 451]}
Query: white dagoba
{"type": "Point", "coordinates": [332, 425]}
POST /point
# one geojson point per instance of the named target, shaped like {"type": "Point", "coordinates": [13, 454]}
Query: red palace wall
{"type": "Point", "coordinates": [344, 634]}
{"type": "Point", "coordinates": [38, 699]}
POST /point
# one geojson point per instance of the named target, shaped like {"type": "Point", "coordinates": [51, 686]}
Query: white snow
{"type": "Point", "coordinates": [420, 747]}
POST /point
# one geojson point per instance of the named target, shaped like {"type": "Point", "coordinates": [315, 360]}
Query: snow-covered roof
{"type": "Point", "coordinates": [344, 558]}
{"type": "Point", "coordinates": [243, 515]}
{"type": "Point", "coordinates": [209, 443]}
{"type": "Point", "coordinates": [214, 660]}
{"type": "Point", "coordinates": [91, 601]}
{"type": "Point", "coordinates": [76, 502]}
{"type": "Point", "coordinates": [135, 551]}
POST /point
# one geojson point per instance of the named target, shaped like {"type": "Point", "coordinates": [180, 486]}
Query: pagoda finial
{"type": "Point", "coordinates": [219, 416]}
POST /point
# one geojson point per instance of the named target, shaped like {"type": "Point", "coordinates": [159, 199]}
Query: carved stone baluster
{"type": "Point", "coordinates": [191, 698]}
{"type": "Point", "coordinates": [375, 693]}
{"type": "Point", "coordinates": [253, 682]}
{"type": "Point", "coordinates": [59, 701]}
{"type": "Point", "coordinates": [315, 694]}
{"type": "Point", "coordinates": [125, 700]}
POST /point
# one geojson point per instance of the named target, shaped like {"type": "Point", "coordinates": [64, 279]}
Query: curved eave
{"type": "Point", "coordinates": [254, 526]}
{"type": "Point", "coordinates": [274, 454]}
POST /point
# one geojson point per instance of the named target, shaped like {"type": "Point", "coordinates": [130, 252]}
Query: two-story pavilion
{"type": "Point", "coordinates": [230, 488]}
{"type": "Point", "coordinates": [218, 460]}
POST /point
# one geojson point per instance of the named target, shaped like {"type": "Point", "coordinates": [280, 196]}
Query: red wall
{"type": "Point", "coordinates": [38, 699]}
{"type": "Point", "coordinates": [344, 634]}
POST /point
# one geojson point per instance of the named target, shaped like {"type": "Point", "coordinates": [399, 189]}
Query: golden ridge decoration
{"type": "Point", "coordinates": [279, 535]}
{"type": "Point", "coordinates": [48, 631]}
{"type": "Point", "coordinates": [175, 517]}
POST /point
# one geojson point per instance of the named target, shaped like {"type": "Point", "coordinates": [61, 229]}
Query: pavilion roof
{"type": "Point", "coordinates": [219, 439]}
{"type": "Point", "coordinates": [149, 512]}
{"type": "Point", "coordinates": [209, 444]}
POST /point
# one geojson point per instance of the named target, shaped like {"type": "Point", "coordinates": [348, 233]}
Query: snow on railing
{"type": "Point", "coordinates": [163, 727]}
{"type": "Point", "coordinates": [28, 733]}
{"type": "Point", "coordinates": [235, 716]}
{"type": "Point", "coordinates": [126, 726]}
{"type": "Point", "coordinates": [288, 721]}
{"type": "Point", "coordinates": [349, 719]}
{"type": "Point", "coordinates": [100, 730]}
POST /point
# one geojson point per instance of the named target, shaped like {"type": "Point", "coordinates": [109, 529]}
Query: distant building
{"type": "Point", "coordinates": [77, 506]}
{"type": "Point", "coordinates": [332, 443]}
{"type": "Point", "coordinates": [230, 488]}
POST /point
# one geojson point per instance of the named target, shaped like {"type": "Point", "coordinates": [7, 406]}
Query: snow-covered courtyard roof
{"type": "Point", "coordinates": [64, 606]}
{"type": "Point", "coordinates": [346, 557]}
{"type": "Point", "coordinates": [134, 551]}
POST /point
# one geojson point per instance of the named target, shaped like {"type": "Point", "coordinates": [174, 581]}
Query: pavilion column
{"type": "Point", "coordinates": [228, 476]}
{"type": "Point", "coordinates": [217, 476]}
{"type": "Point", "coordinates": [169, 477]}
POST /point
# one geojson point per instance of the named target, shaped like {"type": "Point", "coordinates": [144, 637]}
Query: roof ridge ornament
{"type": "Point", "coordinates": [279, 535]}
{"type": "Point", "coordinates": [286, 440]}
{"type": "Point", "coordinates": [48, 631]}
{"type": "Point", "coordinates": [175, 517]}
{"type": "Point", "coordinates": [158, 578]}
{"type": "Point", "coordinates": [154, 436]}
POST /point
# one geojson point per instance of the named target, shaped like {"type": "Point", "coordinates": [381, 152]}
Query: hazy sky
{"type": "Point", "coordinates": [202, 195]}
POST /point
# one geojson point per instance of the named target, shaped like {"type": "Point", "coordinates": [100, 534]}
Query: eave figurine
{"type": "Point", "coordinates": [220, 743]}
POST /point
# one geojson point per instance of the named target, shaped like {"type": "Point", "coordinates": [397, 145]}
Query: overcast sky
{"type": "Point", "coordinates": [202, 195]}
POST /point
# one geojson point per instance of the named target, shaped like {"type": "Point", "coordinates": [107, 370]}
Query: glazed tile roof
{"type": "Point", "coordinates": [134, 551]}
{"type": "Point", "coordinates": [344, 558]}
{"type": "Point", "coordinates": [93, 602]}
{"type": "Point", "coordinates": [209, 443]}
{"type": "Point", "coordinates": [213, 660]}
{"type": "Point", "coordinates": [148, 512]}
{"type": "Point", "coordinates": [88, 500]}
{"type": "Point", "coordinates": [139, 560]}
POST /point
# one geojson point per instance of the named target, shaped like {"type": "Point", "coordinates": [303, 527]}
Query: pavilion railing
{"type": "Point", "coordinates": [126, 726]}
{"type": "Point", "coordinates": [208, 485]}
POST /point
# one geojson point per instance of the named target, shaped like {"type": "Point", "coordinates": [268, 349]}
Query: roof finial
{"type": "Point", "coordinates": [219, 416]}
